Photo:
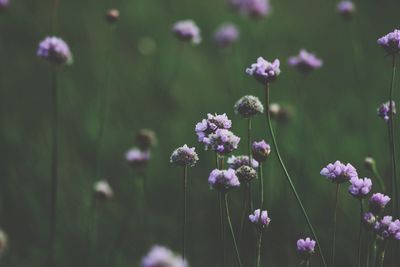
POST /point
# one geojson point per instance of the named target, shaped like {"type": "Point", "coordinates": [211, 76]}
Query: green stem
{"type": "Point", "coordinates": [222, 227]}
{"type": "Point", "coordinates": [381, 258]}
{"type": "Point", "coordinates": [184, 211]}
{"type": "Point", "coordinates": [244, 212]}
{"type": "Point", "coordinates": [231, 229]}
{"type": "Point", "coordinates": [334, 224]}
{"type": "Point", "coordinates": [271, 130]}
{"type": "Point", "coordinates": [360, 233]}
{"type": "Point", "coordinates": [374, 252]}
{"type": "Point", "coordinates": [249, 140]}
{"type": "Point", "coordinates": [259, 248]}
{"type": "Point", "coordinates": [261, 187]}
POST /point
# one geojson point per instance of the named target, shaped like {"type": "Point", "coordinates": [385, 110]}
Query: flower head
{"type": "Point", "coordinates": [381, 227]}
{"type": "Point", "coordinates": [369, 219]}
{"type": "Point", "coordinates": [384, 110]}
{"type": "Point", "coordinates": [394, 229]}
{"type": "Point", "coordinates": [246, 173]}
{"type": "Point", "coordinates": [4, 4]}
{"type": "Point", "coordinates": [103, 190]}
{"type": "Point", "coordinates": [390, 42]}
{"type": "Point", "coordinates": [223, 180]}
{"type": "Point", "coordinates": [256, 8]}
{"type": "Point", "coordinates": [146, 139]}
{"type": "Point", "coordinates": [306, 247]}
{"type": "Point", "coordinates": [260, 220]}
{"type": "Point", "coordinates": [360, 188]}
{"type": "Point", "coordinates": [112, 15]}
{"type": "Point", "coordinates": [55, 50]}
{"type": "Point", "coordinates": [184, 156]}
{"type": "Point", "coordinates": [261, 150]}
{"type": "Point", "coordinates": [226, 35]}
{"type": "Point", "coordinates": [223, 141]}
{"type": "Point", "coordinates": [338, 172]}
{"type": "Point", "coordinates": [305, 62]}
{"type": "Point", "coordinates": [160, 256]}
{"type": "Point", "coordinates": [346, 9]}
{"type": "Point", "coordinates": [137, 157]}
{"type": "Point", "coordinates": [264, 71]}
{"type": "Point", "coordinates": [377, 202]}
{"type": "Point", "coordinates": [211, 125]}
{"type": "Point", "coordinates": [235, 162]}
{"type": "Point", "coordinates": [249, 106]}
{"type": "Point", "coordinates": [187, 30]}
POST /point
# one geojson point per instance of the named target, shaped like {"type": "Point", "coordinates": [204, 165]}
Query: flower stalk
{"type": "Point", "coordinates": [228, 217]}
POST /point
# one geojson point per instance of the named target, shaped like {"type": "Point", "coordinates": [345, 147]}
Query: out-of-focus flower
{"type": "Point", "coordinates": [338, 172]}
{"type": "Point", "coordinates": [184, 156]}
{"type": "Point", "coordinates": [146, 139]}
{"type": "Point", "coordinates": [160, 256]}
{"type": "Point", "coordinates": [112, 15]}
{"type": "Point", "coordinates": [223, 141]}
{"type": "Point", "coordinates": [226, 35]}
{"type": "Point", "coordinates": [211, 125]}
{"type": "Point", "coordinates": [248, 106]}
{"type": "Point", "coordinates": [369, 219]}
{"type": "Point", "coordinates": [306, 247]}
{"type": "Point", "coordinates": [253, 8]}
{"type": "Point", "coordinates": [246, 173]}
{"type": "Point", "coordinates": [264, 71]}
{"type": "Point", "coordinates": [384, 110]}
{"type": "Point", "coordinates": [305, 62]}
{"type": "Point", "coordinates": [378, 202]}
{"type": "Point", "coordinates": [360, 188]}
{"type": "Point", "coordinates": [261, 150]}
{"type": "Point", "coordinates": [3, 242]}
{"type": "Point", "coordinates": [223, 180]}
{"type": "Point", "coordinates": [381, 227]}
{"type": "Point", "coordinates": [262, 220]}
{"type": "Point", "coordinates": [103, 190]}
{"type": "Point", "coordinates": [280, 114]}
{"type": "Point", "coordinates": [235, 162]}
{"type": "Point", "coordinates": [55, 50]}
{"type": "Point", "coordinates": [187, 30]}
{"type": "Point", "coordinates": [4, 4]}
{"type": "Point", "coordinates": [369, 163]}
{"type": "Point", "coordinates": [137, 157]}
{"type": "Point", "coordinates": [346, 9]}
{"type": "Point", "coordinates": [390, 42]}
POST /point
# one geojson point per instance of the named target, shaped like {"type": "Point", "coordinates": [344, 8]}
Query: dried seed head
{"type": "Point", "coordinates": [146, 139]}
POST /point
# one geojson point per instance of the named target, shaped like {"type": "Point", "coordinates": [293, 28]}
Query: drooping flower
{"type": "Point", "coordinates": [137, 157]}
{"type": "Point", "coordinates": [103, 190]}
{"type": "Point", "coordinates": [187, 30]}
{"type": "Point", "coordinates": [235, 162]}
{"type": "Point", "coordinates": [264, 71]}
{"type": "Point", "coordinates": [305, 62]}
{"type": "Point", "coordinates": [246, 173]}
{"type": "Point", "coordinates": [306, 247]}
{"type": "Point", "coordinates": [223, 141]}
{"type": "Point", "coordinates": [226, 35]}
{"type": "Point", "coordinates": [261, 150]}
{"type": "Point", "coordinates": [210, 125]}
{"type": "Point", "coordinates": [378, 202]}
{"type": "Point", "coordinates": [248, 106]}
{"type": "Point", "coordinates": [184, 156]}
{"type": "Point", "coordinates": [338, 172]}
{"type": "Point", "coordinates": [390, 42]}
{"type": "Point", "coordinates": [55, 50]}
{"type": "Point", "coordinates": [384, 110]}
{"type": "Point", "coordinates": [223, 180]}
{"type": "Point", "coordinates": [146, 139]}
{"type": "Point", "coordinates": [360, 188]}
{"type": "Point", "coordinates": [369, 219]}
{"type": "Point", "coordinates": [346, 9]}
{"type": "Point", "coordinates": [160, 256]}
{"type": "Point", "coordinates": [4, 4]}
{"type": "Point", "coordinates": [260, 220]}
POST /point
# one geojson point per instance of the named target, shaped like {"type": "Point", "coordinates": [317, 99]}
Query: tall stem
{"type": "Point", "coordinates": [184, 211]}
{"type": "Point", "coordinates": [381, 258]}
{"type": "Point", "coordinates": [271, 130]}
{"type": "Point", "coordinates": [360, 234]}
{"type": "Point", "coordinates": [249, 139]}
{"type": "Point", "coordinates": [261, 187]}
{"type": "Point", "coordinates": [334, 224]}
{"type": "Point", "coordinates": [231, 228]}
{"type": "Point", "coordinates": [244, 212]}
{"type": "Point", "coordinates": [259, 248]}
{"type": "Point", "coordinates": [308, 263]}
{"type": "Point", "coordinates": [222, 227]}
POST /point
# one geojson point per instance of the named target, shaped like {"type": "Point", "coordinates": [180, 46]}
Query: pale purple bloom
{"type": "Point", "coordinates": [246, 173]}
{"type": "Point", "coordinates": [235, 162]}
{"type": "Point", "coordinates": [4, 4]}
{"type": "Point", "coordinates": [264, 71]}
{"type": "Point", "coordinates": [160, 256]}
{"type": "Point", "coordinates": [306, 247]}
{"type": "Point", "coordinates": [187, 30]}
{"type": "Point", "coordinates": [394, 229]}
{"type": "Point", "coordinates": [223, 141]}
{"type": "Point", "coordinates": [223, 180]}
{"type": "Point", "coordinates": [338, 172]}
{"type": "Point", "coordinates": [103, 190]}
{"type": "Point", "coordinates": [210, 125]}
{"type": "Point", "coordinates": [346, 9]}
{"type": "Point", "coordinates": [184, 156]}
{"type": "Point", "coordinates": [260, 220]}
{"type": "Point", "coordinates": [248, 106]}
{"type": "Point", "coordinates": [261, 150]}
{"type": "Point", "coordinates": [226, 35]}
{"type": "Point", "coordinates": [305, 62]}
{"type": "Point", "coordinates": [55, 50]}
{"type": "Point", "coordinates": [381, 227]}
{"type": "Point", "coordinates": [253, 8]}
{"type": "Point", "coordinates": [369, 219]}
{"type": "Point", "coordinates": [391, 42]}
{"type": "Point", "coordinates": [360, 188]}
{"type": "Point", "coordinates": [377, 202]}
{"type": "Point", "coordinates": [137, 157]}
{"type": "Point", "coordinates": [384, 110]}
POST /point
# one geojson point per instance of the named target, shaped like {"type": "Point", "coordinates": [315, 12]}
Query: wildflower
{"type": "Point", "coordinates": [261, 150]}
{"type": "Point", "coordinates": [223, 141]}
{"type": "Point", "coordinates": [137, 157]}
{"type": "Point", "coordinates": [223, 180]}
{"type": "Point", "coordinates": [394, 229]}
{"type": "Point", "coordinates": [103, 190]}
{"type": "Point", "coordinates": [55, 50]}
{"type": "Point", "coordinates": [390, 42]}
{"type": "Point", "coordinates": [369, 163]}
{"type": "Point", "coordinates": [360, 188]}
{"type": "Point", "coordinates": [306, 247]}
{"type": "Point", "coordinates": [187, 30]}
{"type": "Point", "coordinates": [384, 110]}
{"type": "Point", "coordinates": [346, 9]}
{"type": "Point", "coordinates": [338, 172]}
{"type": "Point", "coordinates": [246, 173]}
{"type": "Point", "coordinates": [3, 242]}
{"type": "Point", "coordinates": [235, 162]}
{"type": "Point", "coordinates": [264, 71]}
{"type": "Point", "coordinates": [184, 156]}
{"type": "Point", "coordinates": [146, 139]}
{"type": "Point", "coordinates": [256, 8]}
{"type": "Point", "coordinates": [381, 227]}
{"type": "Point", "coordinates": [281, 114]}
{"type": "Point", "coordinates": [160, 256]}
{"type": "Point", "coordinates": [4, 4]}
{"type": "Point", "coordinates": [210, 125]}
{"type": "Point", "coordinates": [377, 203]}
{"type": "Point", "coordinates": [226, 35]}
{"type": "Point", "coordinates": [112, 15]}
{"type": "Point", "coordinates": [305, 62]}
{"type": "Point", "coordinates": [260, 220]}
{"type": "Point", "coordinates": [369, 219]}
{"type": "Point", "coordinates": [249, 106]}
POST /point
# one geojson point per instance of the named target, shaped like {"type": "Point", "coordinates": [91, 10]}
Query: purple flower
{"type": "Point", "coordinates": [184, 156]}
{"type": "Point", "coordinates": [346, 9]}
{"type": "Point", "coordinates": [103, 190]}
{"type": "Point", "coordinates": [256, 8]}
{"type": "Point", "coordinates": [384, 110]}
{"type": "Point", "coordinates": [55, 50]}
{"type": "Point", "coordinates": [226, 35]}
{"type": "Point", "coordinates": [235, 162]}
{"type": "Point", "coordinates": [391, 42]}
{"type": "Point", "coordinates": [246, 173]}
{"type": "Point", "coordinates": [305, 62]}
{"type": "Point", "coordinates": [160, 256]}
{"type": "Point", "coordinates": [382, 227]}
{"type": "Point", "coordinates": [264, 71]}
{"type": "Point", "coordinates": [338, 172]}
{"type": "Point", "coordinates": [187, 30]}
{"type": "Point", "coordinates": [223, 180]}
{"type": "Point", "coordinates": [210, 125]}
{"type": "Point", "coordinates": [4, 4]}
{"type": "Point", "coordinates": [261, 150]}
{"type": "Point", "coordinates": [260, 220]}
{"type": "Point", "coordinates": [360, 188]}
{"type": "Point", "coordinates": [223, 141]}
{"type": "Point", "coordinates": [306, 247]}
{"type": "Point", "coordinates": [377, 202]}
{"type": "Point", "coordinates": [137, 157]}
{"type": "Point", "coordinates": [394, 229]}
{"type": "Point", "coordinates": [248, 106]}
{"type": "Point", "coordinates": [369, 219]}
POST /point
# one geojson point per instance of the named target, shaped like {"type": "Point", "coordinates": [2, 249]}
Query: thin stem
{"type": "Point", "coordinates": [244, 212]}
{"type": "Point", "coordinates": [231, 228]}
{"type": "Point", "coordinates": [360, 233]}
{"type": "Point", "coordinates": [249, 139]}
{"type": "Point", "coordinates": [334, 224]}
{"type": "Point", "coordinates": [184, 211]}
{"type": "Point", "coordinates": [261, 187]}
{"type": "Point", "coordinates": [374, 252]}
{"type": "Point", "coordinates": [381, 257]}
{"type": "Point", "coordinates": [222, 227]}
{"type": "Point", "coordinates": [271, 130]}
{"type": "Point", "coordinates": [308, 263]}
{"type": "Point", "coordinates": [259, 248]}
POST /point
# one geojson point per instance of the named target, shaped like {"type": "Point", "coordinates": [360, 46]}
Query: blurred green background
{"type": "Point", "coordinates": [158, 83]}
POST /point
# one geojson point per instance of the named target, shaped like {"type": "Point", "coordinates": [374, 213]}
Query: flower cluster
{"type": "Point", "coordinates": [305, 62]}
{"type": "Point", "coordinates": [246, 173]}
{"type": "Point", "coordinates": [223, 180]}
{"type": "Point", "coordinates": [253, 8]}
{"type": "Point", "coordinates": [55, 50]}
{"type": "Point", "coordinates": [235, 162]}
{"type": "Point", "coordinates": [103, 190]}
{"type": "Point", "coordinates": [211, 125]}
{"type": "Point", "coordinates": [261, 150]}
{"type": "Point", "coordinates": [160, 256]}
{"type": "Point", "coordinates": [378, 202]}
{"type": "Point", "coordinates": [264, 71]}
{"type": "Point", "coordinates": [223, 141]}
{"type": "Point", "coordinates": [338, 172]}
{"type": "Point", "coordinates": [306, 247]}
{"type": "Point", "coordinates": [187, 30]}
{"type": "Point", "coordinates": [249, 106]}
{"type": "Point", "coordinates": [391, 42]}
{"type": "Point", "coordinates": [387, 228]}
{"type": "Point", "coordinates": [137, 158]}
{"type": "Point", "coordinates": [226, 35]}
{"type": "Point", "coordinates": [184, 156]}
{"type": "Point", "coordinates": [360, 188]}
{"type": "Point", "coordinates": [384, 110]}
{"type": "Point", "coordinates": [260, 220]}
{"type": "Point", "coordinates": [346, 9]}
{"type": "Point", "coordinates": [369, 219]}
